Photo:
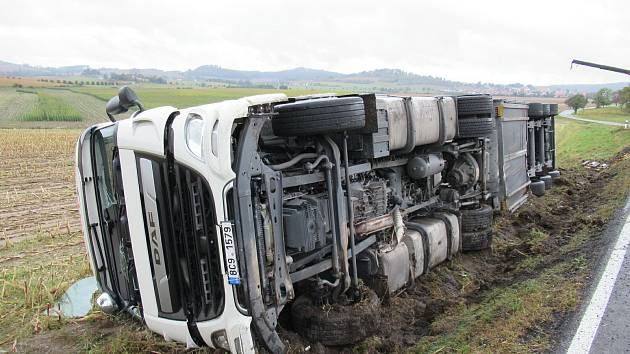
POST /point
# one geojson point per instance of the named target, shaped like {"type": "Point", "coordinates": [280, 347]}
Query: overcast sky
{"type": "Point", "coordinates": [490, 41]}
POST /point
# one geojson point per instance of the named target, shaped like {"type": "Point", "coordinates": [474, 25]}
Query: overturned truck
{"type": "Point", "coordinates": [209, 222]}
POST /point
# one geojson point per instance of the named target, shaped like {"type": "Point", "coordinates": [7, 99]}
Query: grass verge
{"type": "Point", "coordinates": [578, 141]}
{"type": "Point", "coordinates": [611, 114]}
{"type": "Point", "coordinates": [543, 256]}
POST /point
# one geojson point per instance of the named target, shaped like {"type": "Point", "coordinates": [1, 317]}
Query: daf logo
{"type": "Point", "coordinates": [154, 237]}
{"type": "Point", "coordinates": [155, 243]}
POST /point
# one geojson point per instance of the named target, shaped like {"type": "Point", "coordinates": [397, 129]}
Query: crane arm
{"type": "Point", "coordinates": [600, 66]}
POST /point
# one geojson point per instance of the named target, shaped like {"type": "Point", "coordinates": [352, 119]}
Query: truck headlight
{"type": "Point", "coordinates": [194, 134]}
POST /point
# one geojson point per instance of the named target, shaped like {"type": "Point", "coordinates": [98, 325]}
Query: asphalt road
{"type": "Point", "coordinates": [603, 324]}
{"type": "Point", "coordinates": [613, 334]}
{"type": "Point", "coordinates": [569, 115]}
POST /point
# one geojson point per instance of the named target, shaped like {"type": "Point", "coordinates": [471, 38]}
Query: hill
{"type": "Point", "coordinates": [379, 80]}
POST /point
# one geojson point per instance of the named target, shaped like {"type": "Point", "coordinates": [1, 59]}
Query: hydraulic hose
{"type": "Point", "coordinates": [293, 161]}
{"type": "Point", "coordinates": [355, 279]}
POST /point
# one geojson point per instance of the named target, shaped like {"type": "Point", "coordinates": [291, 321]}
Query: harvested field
{"type": "Point", "coordinates": [13, 104]}
{"type": "Point", "coordinates": [20, 109]}
{"type": "Point", "coordinates": [37, 183]}
{"type": "Point", "coordinates": [26, 81]}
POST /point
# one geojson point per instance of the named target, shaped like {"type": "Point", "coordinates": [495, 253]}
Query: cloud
{"type": "Point", "coordinates": [489, 41]}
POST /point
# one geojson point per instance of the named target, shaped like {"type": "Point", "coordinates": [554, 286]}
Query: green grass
{"type": "Point", "coordinates": [611, 114]}
{"type": "Point", "coordinates": [35, 273]}
{"type": "Point", "coordinates": [50, 108]}
{"type": "Point", "coordinates": [497, 322]}
{"type": "Point", "coordinates": [152, 97]}
{"type": "Point", "coordinates": [578, 141]}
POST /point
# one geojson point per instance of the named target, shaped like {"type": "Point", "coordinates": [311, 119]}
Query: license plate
{"type": "Point", "coordinates": [229, 244]}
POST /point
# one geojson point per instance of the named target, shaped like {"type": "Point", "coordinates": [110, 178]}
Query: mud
{"type": "Point", "coordinates": [66, 339]}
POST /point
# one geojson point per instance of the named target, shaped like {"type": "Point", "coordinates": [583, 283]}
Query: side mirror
{"type": "Point", "coordinates": [126, 99]}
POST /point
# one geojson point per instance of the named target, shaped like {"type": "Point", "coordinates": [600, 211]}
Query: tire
{"type": "Point", "coordinates": [339, 326]}
{"type": "Point", "coordinates": [475, 127]}
{"type": "Point", "coordinates": [546, 110]}
{"type": "Point", "coordinates": [537, 188]}
{"type": "Point", "coordinates": [477, 240]}
{"type": "Point", "coordinates": [477, 219]}
{"type": "Point", "coordinates": [535, 110]}
{"type": "Point", "coordinates": [319, 116]}
{"type": "Point", "coordinates": [547, 180]}
{"type": "Point", "coordinates": [474, 106]}
{"type": "Point", "coordinates": [553, 109]}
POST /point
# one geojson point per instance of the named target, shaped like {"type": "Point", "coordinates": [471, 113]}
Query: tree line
{"type": "Point", "coordinates": [601, 98]}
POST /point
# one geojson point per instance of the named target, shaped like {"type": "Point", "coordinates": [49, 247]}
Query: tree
{"type": "Point", "coordinates": [603, 97]}
{"type": "Point", "coordinates": [615, 98]}
{"type": "Point", "coordinates": [576, 102]}
{"type": "Point", "coordinates": [624, 98]}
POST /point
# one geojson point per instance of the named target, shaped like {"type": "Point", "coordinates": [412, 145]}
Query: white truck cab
{"type": "Point", "coordinates": [127, 162]}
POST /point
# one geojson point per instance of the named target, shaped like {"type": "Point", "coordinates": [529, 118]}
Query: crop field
{"type": "Point", "coordinates": [23, 109]}
{"type": "Point", "coordinates": [499, 301]}
{"type": "Point", "coordinates": [185, 97]}
{"type": "Point", "coordinates": [80, 107]}
{"type": "Point", "coordinates": [50, 109]}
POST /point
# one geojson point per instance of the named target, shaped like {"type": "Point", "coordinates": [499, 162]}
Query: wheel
{"type": "Point", "coordinates": [319, 116]}
{"type": "Point", "coordinates": [476, 219]}
{"type": "Point", "coordinates": [553, 109]}
{"type": "Point", "coordinates": [535, 110]}
{"type": "Point", "coordinates": [338, 325]}
{"type": "Point", "coordinates": [537, 188]}
{"type": "Point", "coordinates": [474, 105]}
{"type": "Point", "coordinates": [475, 127]}
{"type": "Point", "coordinates": [476, 240]}
{"type": "Point", "coordinates": [546, 110]}
{"type": "Point", "coordinates": [547, 180]}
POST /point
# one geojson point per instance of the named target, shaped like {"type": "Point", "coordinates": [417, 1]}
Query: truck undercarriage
{"type": "Point", "coordinates": [296, 203]}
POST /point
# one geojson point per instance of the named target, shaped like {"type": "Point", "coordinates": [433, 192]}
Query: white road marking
{"type": "Point", "coordinates": [585, 334]}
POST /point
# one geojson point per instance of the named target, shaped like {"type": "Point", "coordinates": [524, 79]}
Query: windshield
{"type": "Point", "coordinates": [112, 213]}
{"type": "Point", "coordinates": [104, 146]}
